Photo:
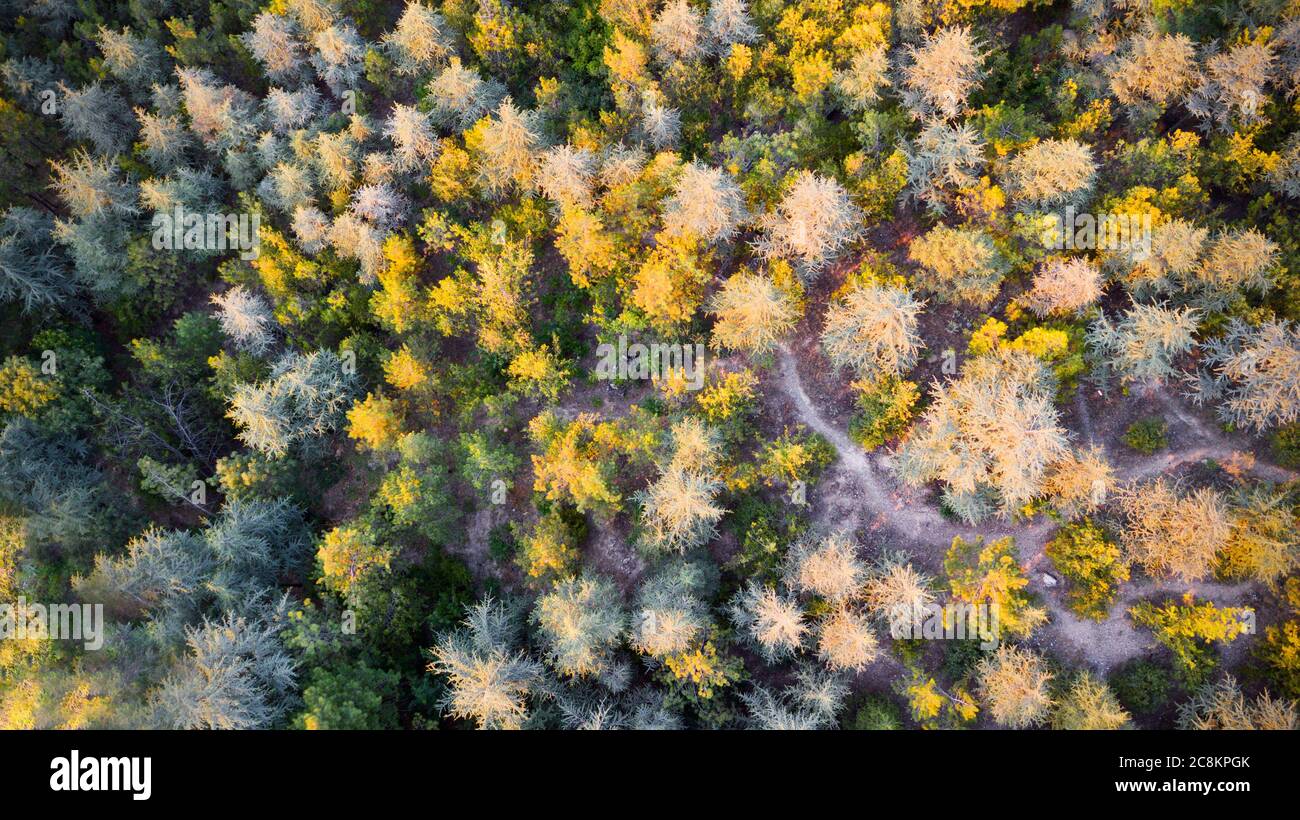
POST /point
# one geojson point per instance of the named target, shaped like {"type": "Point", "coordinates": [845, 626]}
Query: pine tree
{"type": "Point", "coordinates": [995, 430]}
{"type": "Point", "coordinates": [460, 97]}
{"type": "Point", "coordinates": [1015, 683]}
{"type": "Point", "coordinates": [414, 144]}
{"type": "Point", "coordinates": [707, 202]}
{"type": "Point", "coordinates": [1232, 89]}
{"type": "Point", "coordinates": [873, 330]}
{"type": "Point", "coordinates": [752, 313]}
{"type": "Point", "coordinates": [236, 675]}
{"type": "Point", "coordinates": [565, 175]}
{"type": "Point", "coordinates": [1052, 173]}
{"type": "Point", "coordinates": [32, 271]}
{"type": "Point", "coordinates": [136, 61]}
{"type": "Point", "coordinates": [772, 622]}
{"type": "Point", "coordinates": [812, 224]}
{"type": "Point", "coordinates": [677, 33]}
{"type": "Point", "coordinates": [420, 41]}
{"type": "Point", "coordinates": [274, 42]}
{"type": "Point", "coordinates": [728, 22]}
{"type": "Point", "coordinates": [1142, 346]}
{"type": "Point", "coordinates": [1171, 533]}
{"type": "Point", "coordinates": [958, 265]}
{"type": "Point", "coordinates": [246, 320]}
{"type": "Point", "coordinates": [97, 114]}
{"type": "Point", "coordinates": [944, 157]}
{"type": "Point", "coordinates": [510, 145]}
{"type": "Point", "coordinates": [939, 76]}
{"type": "Point", "coordinates": [1254, 374]}
{"type": "Point", "coordinates": [580, 622]}
{"type": "Point", "coordinates": [338, 57]}
{"type": "Point", "coordinates": [1063, 287]}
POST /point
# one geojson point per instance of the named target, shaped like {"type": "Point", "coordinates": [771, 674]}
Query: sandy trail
{"type": "Point", "coordinates": [856, 492]}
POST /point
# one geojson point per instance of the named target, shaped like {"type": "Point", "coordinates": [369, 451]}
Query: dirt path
{"type": "Point", "coordinates": [859, 492]}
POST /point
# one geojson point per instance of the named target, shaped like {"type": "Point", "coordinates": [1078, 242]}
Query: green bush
{"type": "Point", "coordinates": [1141, 686]}
{"type": "Point", "coordinates": [1148, 435]}
{"type": "Point", "coordinates": [873, 713]}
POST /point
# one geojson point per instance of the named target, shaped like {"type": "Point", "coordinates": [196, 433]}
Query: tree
{"type": "Point", "coordinates": [812, 224]}
{"type": "Point", "coordinates": [990, 575]}
{"type": "Point", "coordinates": [705, 202]}
{"type": "Point", "coordinates": [772, 622]}
{"type": "Point", "coordinates": [414, 145]}
{"type": "Point", "coordinates": [1079, 482]}
{"type": "Point", "coordinates": [940, 74]}
{"type": "Point", "coordinates": [1014, 683]}
{"type": "Point", "coordinates": [728, 23]}
{"type": "Point", "coordinates": [419, 41]}
{"type": "Point", "coordinates": [32, 272]}
{"type": "Point", "coordinates": [1089, 704]}
{"type": "Point", "coordinates": [1237, 260]}
{"type": "Point", "coordinates": [490, 681]}
{"type": "Point", "coordinates": [509, 145]}
{"type": "Point", "coordinates": [580, 622]}
{"type": "Point", "coordinates": [221, 116]}
{"type": "Point", "coordinates": [304, 398]}
{"type": "Point", "coordinates": [338, 57]}
{"type": "Point", "coordinates": [1189, 631]}
{"type": "Point", "coordinates": [1223, 706]}
{"type": "Point", "coordinates": [1090, 560]}
{"type": "Point", "coordinates": [275, 43]}
{"type": "Point", "coordinates": [97, 114]}
{"type": "Point", "coordinates": [677, 33]}
{"type": "Point", "coordinates": [827, 568]}
{"type": "Point", "coordinates": [943, 157]}
{"type": "Point", "coordinates": [1264, 544]}
{"type": "Point", "coordinates": [1141, 347]}
{"type": "Point", "coordinates": [246, 320]}
{"type": "Point", "coordinates": [867, 73]}
{"type": "Point", "coordinates": [347, 553]}
{"type": "Point", "coordinates": [1232, 87]}
{"type": "Point", "coordinates": [459, 97]}
{"type": "Point", "coordinates": [669, 614]}
{"type": "Point", "coordinates": [753, 314]}
{"type": "Point", "coordinates": [1063, 287]}
{"type": "Point", "coordinates": [958, 265]}
{"type": "Point", "coordinates": [352, 697]}
{"type": "Point", "coordinates": [1172, 533]}
{"type": "Point", "coordinates": [566, 175]}
{"type": "Point", "coordinates": [897, 590]}
{"type": "Point", "coordinates": [845, 642]}
{"type": "Point", "coordinates": [994, 430]}
{"type": "Point", "coordinates": [1253, 373]}
{"type": "Point", "coordinates": [873, 330]}
{"type": "Point", "coordinates": [375, 421]}
{"type": "Point", "coordinates": [136, 61]}
{"type": "Point", "coordinates": [661, 125]}
{"type": "Point", "coordinates": [1154, 69]}
{"type": "Point", "coordinates": [235, 676]}
{"type": "Point", "coordinates": [92, 185]}
{"type": "Point", "coordinates": [1052, 173]}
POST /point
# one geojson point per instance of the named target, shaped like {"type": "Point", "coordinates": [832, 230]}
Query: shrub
{"type": "Point", "coordinates": [1148, 435]}
{"type": "Point", "coordinates": [1089, 559]}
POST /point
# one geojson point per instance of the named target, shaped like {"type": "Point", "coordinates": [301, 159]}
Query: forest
{"type": "Point", "coordinates": [650, 364]}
